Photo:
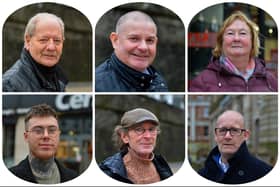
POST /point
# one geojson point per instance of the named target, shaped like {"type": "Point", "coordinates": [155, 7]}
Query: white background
{"type": "Point", "coordinates": [186, 176]}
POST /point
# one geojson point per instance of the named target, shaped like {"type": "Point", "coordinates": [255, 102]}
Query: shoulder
{"type": "Point", "coordinates": [65, 173]}
{"type": "Point", "coordinates": [162, 167]}
{"type": "Point", "coordinates": [17, 77]}
{"type": "Point", "coordinates": [259, 164]}
{"type": "Point", "coordinates": [106, 79]}
{"type": "Point", "coordinates": [111, 160]}
{"type": "Point", "coordinates": [21, 167]}
{"type": "Point", "coordinates": [200, 82]}
{"type": "Point", "coordinates": [23, 171]}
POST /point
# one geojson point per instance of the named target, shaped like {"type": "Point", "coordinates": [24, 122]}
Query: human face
{"type": "Point", "coordinates": [45, 46]}
{"type": "Point", "coordinates": [228, 145]}
{"type": "Point", "coordinates": [141, 143]}
{"type": "Point", "coordinates": [237, 40]}
{"type": "Point", "coordinates": [135, 44]}
{"type": "Point", "coordinates": [42, 146]}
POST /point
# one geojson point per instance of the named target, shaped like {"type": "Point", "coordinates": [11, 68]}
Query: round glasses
{"type": "Point", "coordinates": [141, 130]}
{"type": "Point", "coordinates": [233, 131]}
{"type": "Point", "coordinates": [40, 131]}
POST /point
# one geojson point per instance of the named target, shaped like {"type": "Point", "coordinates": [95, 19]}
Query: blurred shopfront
{"type": "Point", "coordinates": [75, 120]}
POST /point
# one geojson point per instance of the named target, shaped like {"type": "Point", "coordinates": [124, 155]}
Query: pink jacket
{"type": "Point", "coordinates": [216, 78]}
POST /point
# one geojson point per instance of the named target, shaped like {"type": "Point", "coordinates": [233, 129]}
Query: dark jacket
{"type": "Point", "coordinates": [23, 171]}
{"type": "Point", "coordinates": [243, 167]}
{"type": "Point", "coordinates": [216, 78]}
{"type": "Point", "coordinates": [26, 76]}
{"type": "Point", "coordinates": [115, 168]}
{"type": "Point", "coordinates": [115, 76]}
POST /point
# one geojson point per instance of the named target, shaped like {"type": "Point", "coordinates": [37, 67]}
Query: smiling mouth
{"type": "Point", "coordinates": [50, 56]}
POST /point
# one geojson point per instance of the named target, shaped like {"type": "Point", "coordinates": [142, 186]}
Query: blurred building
{"type": "Point", "coordinates": [198, 128]}
{"type": "Point", "coordinates": [260, 115]}
{"type": "Point", "coordinates": [75, 121]}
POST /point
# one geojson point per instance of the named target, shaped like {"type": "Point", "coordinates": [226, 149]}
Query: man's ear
{"type": "Point", "coordinates": [25, 134]}
{"type": "Point", "coordinates": [124, 137]}
{"type": "Point", "coordinates": [27, 39]}
{"type": "Point", "coordinates": [114, 39]}
{"type": "Point", "coordinates": [246, 134]}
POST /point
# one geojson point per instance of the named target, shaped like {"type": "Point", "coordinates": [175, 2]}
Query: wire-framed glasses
{"type": "Point", "coordinates": [40, 131]}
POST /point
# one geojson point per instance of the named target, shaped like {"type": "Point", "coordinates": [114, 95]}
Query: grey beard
{"type": "Point", "coordinates": [40, 167]}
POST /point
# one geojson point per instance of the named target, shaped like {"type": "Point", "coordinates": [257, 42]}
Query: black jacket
{"type": "Point", "coordinates": [25, 76]}
{"type": "Point", "coordinates": [115, 76]}
{"type": "Point", "coordinates": [243, 167]}
{"type": "Point", "coordinates": [23, 171]}
{"type": "Point", "coordinates": [115, 168]}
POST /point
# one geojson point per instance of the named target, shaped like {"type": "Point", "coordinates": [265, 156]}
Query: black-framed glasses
{"type": "Point", "coordinates": [233, 131]}
{"type": "Point", "coordinates": [141, 130]}
{"type": "Point", "coordinates": [40, 131]}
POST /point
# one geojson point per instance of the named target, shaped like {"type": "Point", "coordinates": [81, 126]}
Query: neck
{"type": "Point", "coordinates": [41, 167]}
{"type": "Point", "coordinates": [241, 62]}
{"type": "Point", "coordinates": [142, 158]}
{"type": "Point", "coordinates": [225, 158]}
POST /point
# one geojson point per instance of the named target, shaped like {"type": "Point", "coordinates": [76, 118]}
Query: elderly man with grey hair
{"type": "Point", "coordinates": [37, 69]}
{"type": "Point", "coordinates": [136, 139]}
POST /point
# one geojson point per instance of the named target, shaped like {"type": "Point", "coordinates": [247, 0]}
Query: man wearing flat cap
{"type": "Point", "coordinates": [136, 139]}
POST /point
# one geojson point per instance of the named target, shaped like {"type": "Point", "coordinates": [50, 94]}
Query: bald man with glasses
{"type": "Point", "coordinates": [230, 161]}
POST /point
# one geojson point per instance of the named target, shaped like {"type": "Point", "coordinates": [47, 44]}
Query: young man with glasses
{"type": "Point", "coordinates": [136, 139]}
{"type": "Point", "coordinates": [230, 161]}
{"type": "Point", "coordinates": [42, 135]}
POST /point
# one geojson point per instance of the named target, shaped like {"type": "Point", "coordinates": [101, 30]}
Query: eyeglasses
{"type": "Point", "coordinates": [233, 131]}
{"type": "Point", "coordinates": [40, 131]}
{"type": "Point", "coordinates": [141, 130]}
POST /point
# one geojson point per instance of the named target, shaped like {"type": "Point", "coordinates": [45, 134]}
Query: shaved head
{"type": "Point", "coordinates": [231, 115]}
{"type": "Point", "coordinates": [133, 16]}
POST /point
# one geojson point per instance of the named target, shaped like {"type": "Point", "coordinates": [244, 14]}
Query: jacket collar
{"type": "Point", "coordinates": [26, 172]}
{"type": "Point", "coordinates": [139, 80]}
{"type": "Point", "coordinates": [27, 59]}
{"type": "Point", "coordinates": [241, 154]}
{"type": "Point", "coordinates": [259, 71]}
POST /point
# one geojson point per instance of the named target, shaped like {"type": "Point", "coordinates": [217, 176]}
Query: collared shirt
{"type": "Point", "coordinates": [224, 166]}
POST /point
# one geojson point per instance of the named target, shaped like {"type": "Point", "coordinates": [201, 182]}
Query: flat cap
{"type": "Point", "coordinates": [137, 116]}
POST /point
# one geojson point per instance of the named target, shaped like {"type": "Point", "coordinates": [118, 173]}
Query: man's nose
{"type": "Point", "coordinates": [46, 132]}
{"type": "Point", "coordinates": [147, 133]}
{"type": "Point", "coordinates": [143, 45]}
{"type": "Point", "coordinates": [228, 135]}
{"type": "Point", "coordinates": [51, 44]}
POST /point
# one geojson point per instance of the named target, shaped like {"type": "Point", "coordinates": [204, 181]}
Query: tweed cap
{"type": "Point", "coordinates": [137, 116]}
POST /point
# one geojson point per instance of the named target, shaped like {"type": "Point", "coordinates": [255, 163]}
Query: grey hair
{"type": "Point", "coordinates": [117, 140]}
{"type": "Point", "coordinates": [135, 16]}
{"type": "Point", "coordinates": [31, 25]}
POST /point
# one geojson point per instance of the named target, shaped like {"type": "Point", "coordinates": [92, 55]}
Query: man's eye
{"type": "Point", "coordinates": [44, 40]}
{"type": "Point", "coordinates": [133, 39]}
{"type": "Point", "coordinates": [150, 41]}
